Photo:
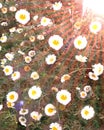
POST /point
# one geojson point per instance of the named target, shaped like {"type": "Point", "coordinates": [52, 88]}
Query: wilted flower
{"type": "Point", "coordinates": [36, 115]}
{"type": "Point", "coordinates": [35, 17]}
{"type": "Point", "coordinates": [40, 37]}
{"type": "Point", "coordinates": [32, 38]}
{"type": "Point", "coordinates": [57, 6]}
{"type": "Point", "coordinates": [93, 76]}
{"type": "Point", "coordinates": [23, 111]}
{"type": "Point", "coordinates": [65, 77]}
{"type": "Point", "coordinates": [4, 10]}
{"type": "Point", "coordinates": [98, 69]}
{"type": "Point", "coordinates": [81, 58]}
{"type": "Point", "coordinates": [9, 56]}
{"type": "Point", "coordinates": [22, 120]}
{"type": "Point", "coordinates": [4, 24]}
{"type": "Point", "coordinates": [12, 8]}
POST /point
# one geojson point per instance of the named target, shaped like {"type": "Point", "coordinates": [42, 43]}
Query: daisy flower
{"type": "Point", "coordinates": [87, 112]}
{"type": "Point", "coordinates": [50, 59]}
{"type": "Point", "coordinates": [55, 126]}
{"type": "Point", "coordinates": [12, 30]}
{"type": "Point", "coordinates": [4, 10]}
{"type": "Point", "coordinates": [32, 38]}
{"type": "Point", "coordinates": [9, 56]}
{"type": "Point", "coordinates": [28, 59]}
{"type": "Point", "coordinates": [3, 38]}
{"type": "Point", "coordinates": [22, 120]}
{"type": "Point", "coordinates": [55, 42]}
{"type": "Point", "coordinates": [31, 53]}
{"type": "Point", "coordinates": [81, 58]}
{"type": "Point", "coordinates": [98, 69]}
{"type": "Point", "coordinates": [1, 107]}
{"type": "Point", "coordinates": [35, 92]}
{"type": "Point", "coordinates": [10, 104]}
{"type": "Point", "coordinates": [23, 111]}
{"type": "Point", "coordinates": [0, 48]}
{"type": "Point", "coordinates": [57, 6]}
{"type": "Point", "coordinates": [87, 88]}
{"type": "Point", "coordinates": [34, 75]}
{"type": "Point", "coordinates": [15, 76]}
{"type": "Point", "coordinates": [93, 76]}
{"type": "Point", "coordinates": [36, 115]}
{"type": "Point", "coordinates": [1, 5]}
{"type": "Point", "coordinates": [65, 77]}
{"type": "Point", "coordinates": [12, 8]}
{"type": "Point", "coordinates": [95, 27]}
{"type": "Point", "coordinates": [12, 96]}
{"type": "Point", "coordinates": [63, 97]}
{"type": "Point", "coordinates": [8, 70]}
{"type": "Point", "coordinates": [35, 17]}
{"type": "Point", "coordinates": [45, 21]}
{"type": "Point", "coordinates": [40, 37]}
{"type": "Point", "coordinates": [80, 42]}
{"type": "Point", "coordinates": [22, 16]}
{"type": "Point", "coordinates": [83, 94]}
{"type": "Point", "coordinates": [50, 110]}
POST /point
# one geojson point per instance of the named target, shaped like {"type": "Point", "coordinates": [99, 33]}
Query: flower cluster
{"type": "Point", "coordinates": [44, 57]}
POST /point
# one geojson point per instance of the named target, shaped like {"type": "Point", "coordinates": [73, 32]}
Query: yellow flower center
{"type": "Point", "coordinates": [100, 70]}
{"type": "Point", "coordinates": [54, 128]}
{"type": "Point", "coordinates": [56, 42]}
{"type": "Point", "coordinates": [44, 20]}
{"type": "Point", "coordinates": [51, 59]}
{"type": "Point", "coordinates": [11, 97]}
{"type": "Point", "coordinates": [22, 16]}
{"type": "Point", "coordinates": [66, 77]}
{"type": "Point", "coordinates": [50, 110]}
{"type": "Point", "coordinates": [35, 117]}
{"type": "Point", "coordinates": [6, 70]}
{"type": "Point", "coordinates": [93, 75]}
{"type": "Point", "coordinates": [83, 94]}
{"type": "Point", "coordinates": [86, 112]}
{"type": "Point", "coordinates": [9, 104]}
{"type": "Point", "coordinates": [33, 92]}
{"type": "Point", "coordinates": [14, 74]}
{"type": "Point", "coordinates": [95, 27]}
{"type": "Point", "coordinates": [79, 42]}
{"type": "Point", "coordinates": [63, 97]}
